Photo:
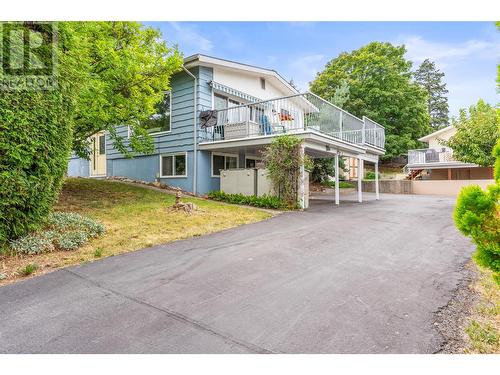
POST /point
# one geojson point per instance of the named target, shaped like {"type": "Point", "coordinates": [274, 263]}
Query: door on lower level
{"type": "Point", "coordinates": [98, 155]}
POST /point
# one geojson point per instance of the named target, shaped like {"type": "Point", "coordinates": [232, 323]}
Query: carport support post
{"type": "Point", "coordinates": [337, 187]}
{"type": "Point", "coordinates": [377, 194]}
{"type": "Point", "coordinates": [360, 180]}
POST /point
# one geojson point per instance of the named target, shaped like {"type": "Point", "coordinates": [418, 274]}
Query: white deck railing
{"type": "Point", "coordinates": [292, 114]}
{"type": "Point", "coordinates": [430, 156]}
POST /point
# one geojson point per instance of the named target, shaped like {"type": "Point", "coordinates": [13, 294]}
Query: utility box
{"type": "Point", "coordinates": [249, 181]}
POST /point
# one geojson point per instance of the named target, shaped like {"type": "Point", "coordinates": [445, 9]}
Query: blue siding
{"type": "Point", "coordinates": [78, 167]}
{"type": "Point", "coordinates": [143, 168]}
{"type": "Point", "coordinates": [206, 182]}
{"type": "Point", "coordinates": [179, 139]}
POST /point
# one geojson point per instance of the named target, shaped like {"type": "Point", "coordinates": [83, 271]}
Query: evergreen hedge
{"type": "Point", "coordinates": [35, 143]}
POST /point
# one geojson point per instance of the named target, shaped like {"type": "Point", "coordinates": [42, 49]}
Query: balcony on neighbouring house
{"type": "Point", "coordinates": [430, 156]}
{"type": "Point", "coordinates": [288, 115]}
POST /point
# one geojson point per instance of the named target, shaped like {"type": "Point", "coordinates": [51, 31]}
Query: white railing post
{"type": "Point", "coordinates": [363, 132]}
{"type": "Point", "coordinates": [377, 195]}
{"type": "Point", "coordinates": [337, 180]}
{"type": "Point", "coordinates": [360, 180]}
{"type": "Point", "coordinates": [341, 122]}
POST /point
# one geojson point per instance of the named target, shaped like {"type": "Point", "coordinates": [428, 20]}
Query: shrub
{"type": "Point", "coordinates": [265, 201]}
{"type": "Point", "coordinates": [32, 244]}
{"type": "Point", "coordinates": [342, 184]}
{"type": "Point", "coordinates": [72, 240]}
{"type": "Point", "coordinates": [370, 175]}
{"type": "Point", "coordinates": [64, 221]}
{"type": "Point", "coordinates": [28, 269]}
{"type": "Point", "coordinates": [35, 143]}
{"type": "Point", "coordinates": [477, 214]}
{"type": "Point", "coordinates": [65, 231]}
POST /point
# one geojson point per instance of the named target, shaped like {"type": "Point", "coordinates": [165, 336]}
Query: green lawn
{"type": "Point", "coordinates": [135, 217]}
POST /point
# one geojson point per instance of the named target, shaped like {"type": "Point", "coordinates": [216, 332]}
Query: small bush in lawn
{"type": "Point", "coordinates": [32, 244]}
{"type": "Point", "coordinates": [28, 269]}
{"type": "Point", "coordinates": [264, 201]}
{"type": "Point", "coordinates": [72, 240]}
{"type": "Point", "coordinates": [66, 231]}
{"type": "Point", "coordinates": [63, 221]}
{"type": "Point", "coordinates": [98, 253]}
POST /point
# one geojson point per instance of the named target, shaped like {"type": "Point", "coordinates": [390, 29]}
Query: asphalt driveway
{"type": "Point", "coordinates": [359, 278]}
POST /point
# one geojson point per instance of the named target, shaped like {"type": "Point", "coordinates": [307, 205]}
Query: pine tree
{"type": "Point", "coordinates": [430, 78]}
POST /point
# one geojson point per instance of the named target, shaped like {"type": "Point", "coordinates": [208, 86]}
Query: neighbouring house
{"type": "Point", "coordinates": [435, 170]}
{"type": "Point", "coordinates": [219, 116]}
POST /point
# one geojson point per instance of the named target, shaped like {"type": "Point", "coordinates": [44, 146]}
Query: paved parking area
{"type": "Point", "coordinates": [358, 278]}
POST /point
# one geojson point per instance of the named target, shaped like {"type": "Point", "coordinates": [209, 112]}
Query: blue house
{"type": "Point", "coordinates": [220, 115]}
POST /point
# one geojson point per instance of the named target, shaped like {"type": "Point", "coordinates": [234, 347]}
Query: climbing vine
{"type": "Point", "coordinates": [283, 159]}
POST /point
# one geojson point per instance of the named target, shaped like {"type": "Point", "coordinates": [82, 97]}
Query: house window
{"type": "Point", "coordinates": [102, 144]}
{"type": "Point", "coordinates": [160, 121]}
{"type": "Point", "coordinates": [222, 161]}
{"type": "Point", "coordinates": [173, 165]}
{"type": "Point", "coordinates": [251, 162]}
{"type": "Point", "coordinates": [262, 83]}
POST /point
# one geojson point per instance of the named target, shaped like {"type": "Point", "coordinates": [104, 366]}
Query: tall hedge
{"type": "Point", "coordinates": [35, 143]}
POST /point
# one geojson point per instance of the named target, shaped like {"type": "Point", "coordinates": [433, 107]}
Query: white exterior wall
{"type": "Point", "coordinates": [249, 83]}
{"type": "Point", "coordinates": [434, 141]}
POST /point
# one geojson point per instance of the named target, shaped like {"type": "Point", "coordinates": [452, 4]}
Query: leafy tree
{"type": "Point", "coordinates": [477, 133]}
{"type": "Point", "coordinates": [430, 78]}
{"type": "Point", "coordinates": [380, 87]}
{"type": "Point", "coordinates": [341, 95]}
{"type": "Point", "coordinates": [126, 69]}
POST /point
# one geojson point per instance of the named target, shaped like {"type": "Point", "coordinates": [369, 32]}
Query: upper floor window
{"type": "Point", "coordinates": [160, 121]}
{"type": "Point", "coordinates": [262, 83]}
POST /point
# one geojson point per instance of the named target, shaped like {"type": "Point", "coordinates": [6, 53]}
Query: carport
{"type": "Point", "coordinates": [315, 145]}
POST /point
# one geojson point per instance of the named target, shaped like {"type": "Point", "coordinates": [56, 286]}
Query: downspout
{"type": "Point", "coordinates": [195, 131]}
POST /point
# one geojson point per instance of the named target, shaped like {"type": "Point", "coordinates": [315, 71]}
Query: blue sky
{"type": "Point", "coordinates": [467, 52]}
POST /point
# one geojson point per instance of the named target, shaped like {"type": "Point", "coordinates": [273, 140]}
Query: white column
{"type": "Point", "coordinates": [360, 180]}
{"type": "Point", "coordinates": [302, 172]}
{"type": "Point", "coordinates": [377, 194]}
{"type": "Point", "coordinates": [337, 187]}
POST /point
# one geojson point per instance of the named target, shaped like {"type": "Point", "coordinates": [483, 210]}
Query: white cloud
{"type": "Point", "coordinates": [304, 69]}
{"type": "Point", "coordinates": [446, 54]}
{"type": "Point", "coordinates": [188, 35]}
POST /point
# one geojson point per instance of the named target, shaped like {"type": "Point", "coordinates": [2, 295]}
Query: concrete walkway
{"type": "Point", "coordinates": [359, 278]}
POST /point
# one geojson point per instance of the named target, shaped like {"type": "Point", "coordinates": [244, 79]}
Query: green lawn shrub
{"type": "Point", "coordinates": [63, 231]}
{"type": "Point", "coordinates": [265, 201]}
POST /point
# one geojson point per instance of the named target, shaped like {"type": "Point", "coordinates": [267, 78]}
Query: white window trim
{"type": "Point", "coordinates": [170, 124]}
{"type": "Point", "coordinates": [221, 154]}
{"type": "Point", "coordinates": [250, 157]}
{"type": "Point", "coordinates": [173, 166]}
